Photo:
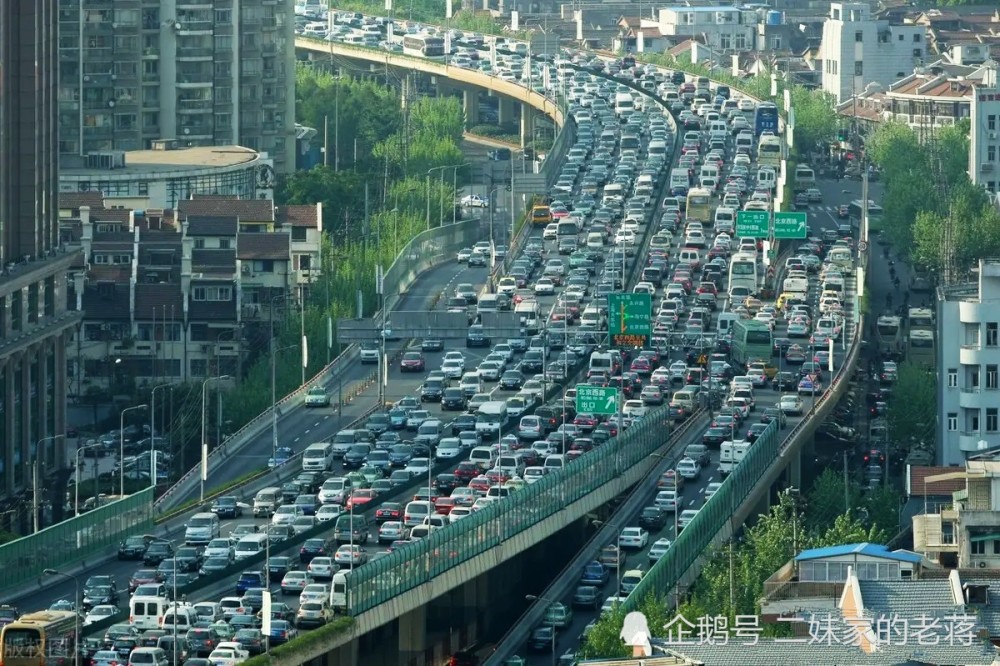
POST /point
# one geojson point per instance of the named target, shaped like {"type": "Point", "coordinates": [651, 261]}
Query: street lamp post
{"type": "Point", "coordinates": [34, 479]}
{"type": "Point", "coordinates": [204, 441]}
{"type": "Point", "coordinates": [76, 610]}
{"type": "Point", "coordinates": [427, 187]}
{"type": "Point", "coordinates": [121, 438]}
{"type": "Point", "coordinates": [76, 499]}
{"type": "Point", "coordinates": [274, 398]}
{"type": "Point", "coordinates": [152, 433]}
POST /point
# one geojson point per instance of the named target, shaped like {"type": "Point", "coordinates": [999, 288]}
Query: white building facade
{"type": "Point", "coordinates": [969, 366]}
{"type": "Point", "coordinates": [857, 49]}
{"type": "Point", "coordinates": [984, 133]}
{"type": "Point", "coordinates": [721, 28]}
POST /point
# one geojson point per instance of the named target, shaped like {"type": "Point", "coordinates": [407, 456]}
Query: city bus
{"type": "Point", "coordinates": [744, 272]}
{"type": "Point", "coordinates": [769, 151]}
{"type": "Point", "coordinates": [874, 213]}
{"type": "Point", "coordinates": [765, 118]}
{"type": "Point", "coordinates": [423, 46]}
{"type": "Point", "coordinates": [44, 638]}
{"type": "Point", "coordinates": [752, 341]}
{"type": "Point", "coordinates": [699, 205]}
{"type": "Point", "coordinates": [889, 334]}
{"type": "Point", "coordinates": [920, 337]}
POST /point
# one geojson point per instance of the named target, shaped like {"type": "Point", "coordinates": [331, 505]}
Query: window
{"type": "Point", "coordinates": [952, 377]}
{"type": "Point", "coordinates": [725, 42]}
{"type": "Point", "coordinates": [917, 38]}
{"type": "Point", "coordinates": [978, 547]}
{"type": "Point", "coordinates": [971, 335]}
{"type": "Point", "coordinates": [918, 53]}
{"type": "Point", "coordinates": [952, 422]}
{"type": "Point", "coordinates": [974, 379]}
{"type": "Point", "coordinates": [991, 377]}
{"type": "Point", "coordinates": [264, 266]}
{"type": "Point", "coordinates": [991, 123]}
{"type": "Point", "coordinates": [199, 243]}
{"type": "Point", "coordinates": [224, 16]}
{"type": "Point", "coordinates": [973, 421]}
{"type": "Point", "coordinates": [216, 294]}
{"type": "Point", "coordinates": [991, 334]}
{"type": "Point", "coordinates": [996, 546]}
{"type": "Point", "coordinates": [992, 416]}
{"type": "Point", "coordinates": [901, 38]}
{"type": "Point", "coordinates": [224, 243]}
{"type": "Point", "coordinates": [991, 153]}
{"type": "Point", "coordinates": [859, 69]}
{"type": "Point", "coordinates": [859, 36]}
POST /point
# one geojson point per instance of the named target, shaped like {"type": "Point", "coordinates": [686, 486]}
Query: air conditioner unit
{"type": "Point", "coordinates": [992, 136]}
{"type": "Point", "coordinates": [246, 269]}
{"type": "Point", "coordinates": [986, 167]}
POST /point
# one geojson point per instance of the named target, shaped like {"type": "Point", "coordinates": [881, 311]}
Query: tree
{"type": "Point", "coordinates": [953, 152]}
{"type": "Point", "coordinates": [342, 194]}
{"type": "Point", "coordinates": [928, 239]}
{"type": "Point", "coordinates": [882, 505]}
{"type": "Point", "coordinates": [849, 528]}
{"type": "Point", "coordinates": [657, 615]}
{"type": "Point", "coordinates": [912, 409]}
{"type": "Point", "coordinates": [825, 500]}
{"type": "Point", "coordinates": [604, 640]}
{"type": "Point", "coordinates": [815, 117]}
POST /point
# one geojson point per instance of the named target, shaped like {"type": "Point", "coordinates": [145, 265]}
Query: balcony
{"type": "Point", "coordinates": [194, 80]}
{"type": "Point", "coordinates": [194, 105]}
{"type": "Point", "coordinates": [970, 354]}
{"type": "Point", "coordinates": [784, 597]}
{"type": "Point", "coordinates": [194, 27]}
{"type": "Point", "coordinates": [186, 53]}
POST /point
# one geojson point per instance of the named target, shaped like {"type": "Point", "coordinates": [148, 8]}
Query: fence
{"type": "Point", "coordinates": [697, 538]}
{"type": "Point", "coordinates": [75, 540]}
{"type": "Point", "coordinates": [415, 564]}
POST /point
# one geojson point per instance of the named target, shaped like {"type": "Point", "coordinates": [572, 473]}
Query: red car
{"type": "Point", "coordinates": [143, 577]}
{"type": "Point", "coordinates": [467, 470]}
{"type": "Point", "coordinates": [360, 498]}
{"type": "Point", "coordinates": [708, 288]}
{"type": "Point", "coordinates": [412, 362]}
{"type": "Point", "coordinates": [641, 365]}
{"type": "Point", "coordinates": [480, 484]}
{"type": "Point", "coordinates": [444, 505]}
{"type": "Point", "coordinates": [586, 421]}
{"type": "Point", "coordinates": [497, 477]}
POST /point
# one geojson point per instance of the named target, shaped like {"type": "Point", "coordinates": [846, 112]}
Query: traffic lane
{"type": "Point", "coordinates": [836, 193]}
{"type": "Point", "coordinates": [693, 497]}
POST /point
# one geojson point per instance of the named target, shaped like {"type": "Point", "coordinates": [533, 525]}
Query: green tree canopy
{"type": "Point", "coordinates": [913, 407]}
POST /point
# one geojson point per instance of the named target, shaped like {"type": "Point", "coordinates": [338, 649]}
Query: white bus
{"type": "Point", "coordinates": [426, 46]}
{"type": "Point", "coordinates": [769, 151]}
{"type": "Point", "coordinates": [744, 272]}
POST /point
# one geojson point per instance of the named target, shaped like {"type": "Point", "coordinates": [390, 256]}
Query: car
{"type": "Point", "coordinates": [281, 455]}
{"type": "Point", "coordinates": [587, 596]}
{"type": "Point", "coordinates": [712, 488]}
{"type": "Point", "coordinates": [475, 201]}
{"type": "Point", "coordinates": [685, 518]}
{"type": "Point", "coordinates": [634, 538]}
{"type": "Point", "coordinates": [313, 614]}
{"type": "Point", "coordinates": [809, 386]}
{"type": "Point", "coordinates": [230, 653]}
{"type": "Point", "coordinates": [317, 396]}
{"type": "Point", "coordinates": [350, 556]}
{"type": "Point", "coordinates": [542, 639]}
{"type": "Point", "coordinates": [791, 405]}
{"type": "Point", "coordinates": [814, 195]}
{"type": "Point", "coordinates": [653, 518]}
{"type": "Point", "coordinates": [412, 362]}
{"type": "Point", "coordinates": [689, 469]}
{"type": "Point", "coordinates": [558, 615]}
{"type": "Point", "coordinates": [133, 548]}
{"type": "Point", "coordinates": [100, 612]}
{"type": "Point", "coordinates": [321, 568]}
{"type": "Point", "coordinates": [785, 381]}
{"type": "Point", "coordinates": [156, 552]}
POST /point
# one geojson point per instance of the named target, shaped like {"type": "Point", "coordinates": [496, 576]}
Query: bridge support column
{"type": "Point", "coordinates": [527, 124]}
{"type": "Point", "coordinates": [470, 100]}
{"type": "Point", "coordinates": [505, 110]}
{"type": "Point", "coordinates": [413, 637]}
{"type": "Point", "coordinates": [345, 654]}
{"type": "Point", "coordinates": [794, 471]}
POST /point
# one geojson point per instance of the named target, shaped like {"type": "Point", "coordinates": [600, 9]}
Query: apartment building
{"type": "Point", "coordinates": [968, 366]}
{"type": "Point", "coordinates": [203, 72]}
{"type": "Point", "coordinates": [858, 49]}
{"type": "Point", "coordinates": [984, 134]}
{"type": "Point", "coordinates": [34, 321]}
{"type": "Point", "coordinates": [181, 294]}
{"type": "Point", "coordinates": [721, 28]}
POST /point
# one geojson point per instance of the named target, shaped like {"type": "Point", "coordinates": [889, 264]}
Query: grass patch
{"type": "Point", "coordinates": [210, 495]}
{"type": "Point", "coordinates": [309, 641]}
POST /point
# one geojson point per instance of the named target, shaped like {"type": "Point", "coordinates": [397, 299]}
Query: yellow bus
{"type": "Point", "coordinates": [699, 205]}
{"type": "Point", "coordinates": [45, 638]}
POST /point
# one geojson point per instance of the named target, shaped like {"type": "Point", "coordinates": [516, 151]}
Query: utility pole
{"type": "Point", "coordinates": [847, 493]}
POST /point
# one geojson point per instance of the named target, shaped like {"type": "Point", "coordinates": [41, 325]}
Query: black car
{"type": "Point", "coordinates": [756, 430]}
{"type": "Point", "coordinates": [277, 567]}
{"type": "Point", "coordinates": [227, 506]}
{"type": "Point", "coordinates": [462, 423]}
{"type": "Point", "coordinates": [400, 455]}
{"type": "Point", "coordinates": [715, 436]}
{"type": "Point", "coordinates": [310, 481]}
{"type": "Point", "coordinates": [188, 558]}
{"type": "Point", "coordinates": [378, 423]}
{"type": "Point", "coordinates": [356, 456]}
{"type": "Point", "coordinates": [99, 595]}
{"type": "Point", "coordinates": [774, 414]}
{"type": "Point", "coordinates": [587, 596]}
{"type": "Point", "coordinates": [132, 548]}
{"type": "Point", "coordinates": [201, 641]}
{"type": "Point", "coordinates": [156, 552]}
{"type": "Point", "coordinates": [250, 640]}
{"type": "Point", "coordinates": [313, 548]}
{"type": "Point", "coordinates": [432, 390]}
{"type": "Point", "coordinates": [653, 518]}
{"type": "Point", "coordinates": [785, 381]}
{"type": "Point", "coordinates": [512, 380]}
{"type": "Point", "coordinates": [453, 399]}
{"type": "Point", "coordinates": [432, 344]}
{"type": "Point", "coordinates": [447, 483]}
{"type": "Point", "coordinates": [542, 639]}
{"type": "Point", "coordinates": [476, 337]}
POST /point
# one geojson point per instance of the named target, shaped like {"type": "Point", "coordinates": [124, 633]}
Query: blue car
{"type": "Point", "coordinates": [595, 573]}
{"type": "Point", "coordinates": [281, 456]}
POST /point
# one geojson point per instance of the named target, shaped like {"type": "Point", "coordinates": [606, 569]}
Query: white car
{"type": "Point", "coordinates": [475, 201]}
{"type": "Point", "coordinates": [634, 409]}
{"type": "Point", "coordinates": [457, 356]}
{"type": "Point", "coordinates": [218, 548]}
{"type": "Point", "coordinates": [452, 369]}
{"type": "Point", "coordinates": [328, 512]}
{"type": "Point", "coordinates": [102, 612]}
{"type": "Point", "coordinates": [303, 524]}
{"type": "Point", "coordinates": [463, 255]}
{"type": "Point", "coordinates": [459, 512]}
{"type": "Point", "coordinates": [489, 371]}
{"type": "Point", "coordinates": [286, 514]}
{"type": "Point", "coordinates": [418, 466]}
{"type": "Point", "coordinates": [294, 581]}
{"type": "Point", "coordinates": [687, 515]}
{"type": "Point", "coordinates": [688, 468]}
{"type": "Point", "coordinates": [228, 653]}
{"type": "Point", "coordinates": [633, 537]}
{"type": "Point", "coordinates": [791, 404]}
{"type": "Point", "coordinates": [448, 448]}
{"type": "Point", "coordinates": [658, 550]}
{"type": "Point", "coordinates": [517, 406]}
{"type": "Point", "coordinates": [667, 500]}
{"type": "Point", "coordinates": [314, 592]}
{"type": "Point", "coordinates": [544, 286]}
{"type": "Point", "coordinates": [321, 567]}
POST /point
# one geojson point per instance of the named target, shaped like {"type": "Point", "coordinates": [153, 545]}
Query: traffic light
{"type": "Point", "coordinates": [842, 134]}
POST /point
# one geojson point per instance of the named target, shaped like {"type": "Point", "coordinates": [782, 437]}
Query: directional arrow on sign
{"type": "Point", "coordinates": [610, 402]}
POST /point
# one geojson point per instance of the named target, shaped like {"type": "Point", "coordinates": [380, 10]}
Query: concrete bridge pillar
{"type": "Point", "coordinates": [505, 110]}
{"type": "Point", "coordinates": [528, 113]}
{"type": "Point", "coordinates": [470, 100]}
{"type": "Point", "coordinates": [413, 637]}
{"type": "Point", "coordinates": [794, 470]}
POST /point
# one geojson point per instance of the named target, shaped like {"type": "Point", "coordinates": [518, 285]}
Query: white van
{"type": "Point", "coordinates": [724, 322]}
{"type": "Point", "coordinates": [554, 462]}
{"type": "Point", "coordinates": [471, 384]}
{"type": "Point", "coordinates": [249, 546]}
{"type": "Point", "coordinates": [767, 178]}
{"type": "Point", "coordinates": [338, 592]}
{"type": "Point", "coordinates": [416, 511]}
{"type": "Point", "coordinates": [606, 360]}
{"type": "Point", "coordinates": [183, 616]}
{"type": "Point", "coordinates": [491, 417]}
{"type": "Point", "coordinates": [680, 181]}
{"type": "Point", "coordinates": [840, 256]}
{"type": "Point", "coordinates": [430, 432]}
{"type": "Point", "coordinates": [266, 502]}
{"type": "Point", "coordinates": [709, 171]}
{"type": "Point", "coordinates": [317, 457]}
{"type": "Point", "coordinates": [201, 528]}
{"type": "Point", "coordinates": [614, 193]}
{"type": "Point", "coordinates": [484, 456]}
{"type": "Point", "coordinates": [804, 177]}
{"type": "Point", "coordinates": [146, 612]}
{"type": "Point", "coordinates": [511, 464]}
{"type": "Point", "coordinates": [725, 218]}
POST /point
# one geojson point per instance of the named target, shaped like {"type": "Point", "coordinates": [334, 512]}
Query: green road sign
{"type": "Point", "coordinates": [752, 223]}
{"type": "Point", "coordinates": [596, 399]}
{"type": "Point", "coordinates": [790, 225]}
{"type": "Point", "coordinates": [630, 319]}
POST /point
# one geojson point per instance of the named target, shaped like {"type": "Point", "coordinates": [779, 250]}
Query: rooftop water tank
{"type": "Point", "coordinates": [774, 18]}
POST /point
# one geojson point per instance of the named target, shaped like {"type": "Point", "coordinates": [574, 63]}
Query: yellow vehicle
{"type": "Point", "coordinates": [541, 215]}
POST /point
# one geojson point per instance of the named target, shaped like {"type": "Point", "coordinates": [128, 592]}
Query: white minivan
{"type": "Point", "coordinates": [145, 612]}
{"type": "Point", "coordinates": [201, 528]}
